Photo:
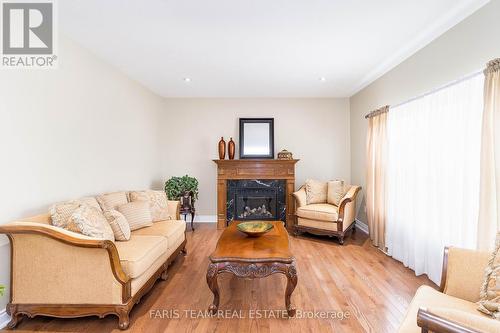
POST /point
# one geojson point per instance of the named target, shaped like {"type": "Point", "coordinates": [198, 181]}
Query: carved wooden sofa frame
{"type": "Point", "coordinates": [17, 310]}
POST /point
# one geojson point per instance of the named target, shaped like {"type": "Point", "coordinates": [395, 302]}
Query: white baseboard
{"type": "Point", "coordinates": [361, 226]}
{"type": "Point", "coordinates": [4, 318]}
{"type": "Point", "coordinates": [204, 218]}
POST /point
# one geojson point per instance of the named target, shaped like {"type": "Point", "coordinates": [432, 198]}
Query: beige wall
{"type": "Point", "coordinates": [462, 50]}
{"type": "Point", "coordinates": [315, 130]}
{"type": "Point", "coordinates": [81, 129]}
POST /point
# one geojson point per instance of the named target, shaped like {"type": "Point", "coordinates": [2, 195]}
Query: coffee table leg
{"type": "Point", "coordinates": [291, 276]}
{"type": "Point", "coordinates": [214, 287]}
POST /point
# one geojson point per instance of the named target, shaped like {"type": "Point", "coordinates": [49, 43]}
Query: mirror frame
{"type": "Point", "coordinates": [269, 121]}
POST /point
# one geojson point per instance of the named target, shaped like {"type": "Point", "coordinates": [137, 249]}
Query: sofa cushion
{"type": "Point", "coordinates": [110, 201]}
{"type": "Point", "coordinates": [119, 224]}
{"type": "Point", "coordinates": [316, 191]}
{"type": "Point", "coordinates": [475, 321]}
{"type": "Point", "coordinates": [427, 297]}
{"type": "Point", "coordinates": [91, 222]}
{"type": "Point", "coordinates": [137, 214]}
{"type": "Point", "coordinates": [158, 203]}
{"type": "Point", "coordinates": [321, 212]}
{"type": "Point", "coordinates": [140, 252]}
{"type": "Point", "coordinates": [335, 192]}
{"type": "Point", "coordinates": [173, 230]}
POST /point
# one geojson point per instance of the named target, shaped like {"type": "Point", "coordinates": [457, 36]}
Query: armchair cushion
{"type": "Point", "coordinates": [316, 191]}
{"type": "Point", "coordinates": [336, 191]}
{"type": "Point", "coordinates": [140, 252]}
{"type": "Point", "coordinates": [322, 212]}
{"type": "Point", "coordinates": [428, 297]}
{"type": "Point", "coordinates": [490, 289]}
{"type": "Point", "coordinates": [158, 204]}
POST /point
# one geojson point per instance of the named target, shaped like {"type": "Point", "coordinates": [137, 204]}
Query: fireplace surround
{"type": "Point", "coordinates": [253, 171]}
{"type": "Point", "coordinates": [256, 199]}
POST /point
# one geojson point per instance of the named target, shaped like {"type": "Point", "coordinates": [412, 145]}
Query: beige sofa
{"type": "Point", "coordinates": [60, 273]}
{"type": "Point", "coordinates": [324, 218]}
{"type": "Point", "coordinates": [453, 308]}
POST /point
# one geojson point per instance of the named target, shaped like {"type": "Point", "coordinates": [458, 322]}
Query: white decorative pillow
{"type": "Point", "coordinates": [336, 191]}
{"type": "Point", "coordinates": [489, 301]}
{"type": "Point", "coordinates": [110, 201]}
{"type": "Point", "coordinates": [91, 222]}
{"type": "Point", "coordinates": [60, 215]}
{"type": "Point", "coordinates": [316, 191]}
{"type": "Point", "coordinates": [158, 203]}
{"type": "Point", "coordinates": [137, 214]}
{"type": "Point", "coordinates": [119, 224]}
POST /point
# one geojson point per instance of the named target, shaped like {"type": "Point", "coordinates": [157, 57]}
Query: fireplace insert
{"type": "Point", "coordinates": [256, 199]}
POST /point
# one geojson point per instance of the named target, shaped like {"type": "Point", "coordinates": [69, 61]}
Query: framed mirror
{"type": "Point", "coordinates": [256, 138]}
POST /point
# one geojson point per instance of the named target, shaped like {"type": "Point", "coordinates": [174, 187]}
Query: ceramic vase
{"type": "Point", "coordinates": [222, 149]}
{"type": "Point", "coordinates": [231, 149]}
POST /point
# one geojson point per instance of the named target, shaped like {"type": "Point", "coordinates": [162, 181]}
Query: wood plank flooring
{"type": "Point", "coordinates": [371, 290]}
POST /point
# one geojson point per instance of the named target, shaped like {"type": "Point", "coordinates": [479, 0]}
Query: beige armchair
{"type": "Point", "coordinates": [452, 308]}
{"type": "Point", "coordinates": [324, 218]}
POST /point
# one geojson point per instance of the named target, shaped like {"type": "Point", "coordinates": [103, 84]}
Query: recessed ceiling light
{"type": "Point", "coordinates": [187, 79]}
{"type": "Point", "coordinates": [322, 79]}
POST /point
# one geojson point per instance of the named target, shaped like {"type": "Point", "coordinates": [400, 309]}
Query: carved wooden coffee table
{"type": "Point", "coordinates": [248, 257]}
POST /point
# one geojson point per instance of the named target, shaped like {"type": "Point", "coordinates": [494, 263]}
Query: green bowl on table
{"type": "Point", "coordinates": [255, 228]}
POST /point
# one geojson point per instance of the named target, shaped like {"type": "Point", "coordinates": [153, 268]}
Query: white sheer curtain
{"type": "Point", "coordinates": [433, 175]}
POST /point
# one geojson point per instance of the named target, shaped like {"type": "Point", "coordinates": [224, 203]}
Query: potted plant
{"type": "Point", "coordinates": [175, 187]}
{"type": "Point", "coordinates": [2, 289]}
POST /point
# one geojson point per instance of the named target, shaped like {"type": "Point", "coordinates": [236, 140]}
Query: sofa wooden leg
{"type": "Point", "coordinates": [15, 319]}
{"type": "Point", "coordinates": [123, 319]}
{"type": "Point", "coordinates": [341, 240]}
{"type": "Point", "coordinates": [184, 251]}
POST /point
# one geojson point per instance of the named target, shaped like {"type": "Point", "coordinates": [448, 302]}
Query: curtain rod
{"type": "Point", "coordinates": [450, 84]}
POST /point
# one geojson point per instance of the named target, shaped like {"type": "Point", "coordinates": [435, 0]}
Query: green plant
{"type": "Point", "coordinates": [176, 186]}
{"type": "Point", "coordinates": [2, 289]}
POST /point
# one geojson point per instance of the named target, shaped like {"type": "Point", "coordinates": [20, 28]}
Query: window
{"type": "Point", "coordinates": [434, 147]}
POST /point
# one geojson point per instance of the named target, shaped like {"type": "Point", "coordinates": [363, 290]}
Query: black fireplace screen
{"type": "Point", "coordinates": [256, 200]}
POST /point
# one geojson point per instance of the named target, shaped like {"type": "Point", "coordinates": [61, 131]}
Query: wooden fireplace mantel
{"type": "Point", "coordinates": [254, 169]}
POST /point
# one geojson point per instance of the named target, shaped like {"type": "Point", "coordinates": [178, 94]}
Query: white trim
{"type": "Point", "coordinates": [4, 318]}
{"type": "Point", "coordinates": [204, 218]}
{"type": "Point", "coordinates": [361, 226]}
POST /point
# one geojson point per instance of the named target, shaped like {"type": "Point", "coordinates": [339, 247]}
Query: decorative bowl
{"type": "Point", "coordinates": [255, 229]}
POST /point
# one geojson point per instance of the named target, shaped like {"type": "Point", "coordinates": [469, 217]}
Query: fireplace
{"type": "Point", "coordinates": [256, 199]}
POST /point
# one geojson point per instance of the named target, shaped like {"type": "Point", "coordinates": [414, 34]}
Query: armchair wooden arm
{"type": "Point", "coordinates": [350, 196]}
{"type": "Point", "coordinates": [430, 322]}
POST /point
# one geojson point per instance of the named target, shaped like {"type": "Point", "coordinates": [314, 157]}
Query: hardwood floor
{"type": "Point", "coordinates": [369, 288]}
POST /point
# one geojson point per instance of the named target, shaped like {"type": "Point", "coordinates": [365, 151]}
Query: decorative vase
{"type": "Point", "coordinates": [222, 148]}
{"type": "Point", "coordinates": [230, 149]}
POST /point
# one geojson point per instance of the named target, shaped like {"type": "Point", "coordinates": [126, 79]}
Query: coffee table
{"type": "Point", "coordinates": [252, 257]}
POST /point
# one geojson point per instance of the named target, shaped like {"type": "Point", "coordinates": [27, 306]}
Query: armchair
{"type": "Point", "coordinates": [326, 219]}
{"type": "Point", "coordinates": [452, 308]}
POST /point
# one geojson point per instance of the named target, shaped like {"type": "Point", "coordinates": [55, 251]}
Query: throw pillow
{"type": "Point", "coordinates": [137, 214]}
{"type": "Point", "coordinates": [158, 203]}
{"type": "Point", "coordinates": [336, 191]}
{"type": "Point", "coordinates": [91, 222]}
{"type": "Point", "coordinates": [316, 191]}
{"type": "Point", "coordinates": [60, 215]}
{"type": "Point", "coordinates": [119, 224]}
{"type": "Point", "coordinates": [489, 301]}
{"type": "Point", "coordinates": [110, 201]}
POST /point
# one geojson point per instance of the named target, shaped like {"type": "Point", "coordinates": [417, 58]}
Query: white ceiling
{"type": "Point", "coordinates": [258, 48]}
